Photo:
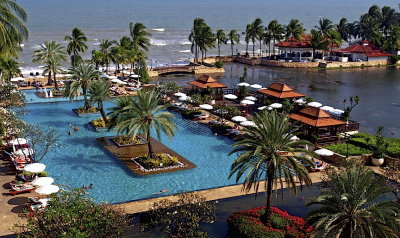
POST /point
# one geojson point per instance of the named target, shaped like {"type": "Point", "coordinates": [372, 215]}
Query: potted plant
{"type": "Point", "coordinates": [378, 147]}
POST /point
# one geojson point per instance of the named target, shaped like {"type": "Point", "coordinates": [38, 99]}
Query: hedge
{"type": "Point", "coordinates": [393, 143]}
{"type": "Point", "coordinates": [342, 149]}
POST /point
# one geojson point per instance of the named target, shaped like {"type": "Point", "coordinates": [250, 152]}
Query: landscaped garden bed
{"type": "Point", "coordinates": [191, 114]}
{"type": "Point", "coordinates": [248, 224]}
{"type": "Point", "coordinates": [159, 162]}
{"type": "Point", "coordinates": [365, 140]}
{"type": "Point", "coordinates": [57, 93]}
{"type": "Point", "coordinates": [123, 141]}
{"type": "Point", "coordinates": [99, 125]}
{"type": "Point", "coordinates": [348, 149]}
{"type": "Point", "coordinates": [86, 111]}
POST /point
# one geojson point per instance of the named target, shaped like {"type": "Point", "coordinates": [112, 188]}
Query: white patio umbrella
{"type": "Point", "coordinates": [337, 112]}
{"type": "Point", "coordinates": [115, 80]}
{"type": "Point", "coordinates": [276, 105]}
{"type": "Point", "coordinates": [47, 190]}
{"type": "Point", "coordinates": [183, 98]}
{"type": "Point", "coordinates": [247, 123]}
{"type": "Point", "coordinates": [179, 94]}
{"type": "Point", "coordinates": [314, 104]}
{"type": "Point", "coordinates": [135, 76]}
{"type": "Point", "coordinates": [294, 138]}
{"type": "Point", "coordinates": [327, 108]}
{"type": "Point", "coordinates": [243, 84]}
{"type": "Point", "coordinates": [239, 119]}
{"type": "Point", "coordinates": [206, 106]}
{"type": "Point", "coordinates": [113, 77]}
{"type": "Point", "coordinates": [251, 98]}
{"type": "Point", "coordinates": [18, 141]}
{"type": "Point", "coordinates": [247, 102]}
{"type": "Point", "coordinates": [68, 75]}
{"type": "Point", "coordinates": [42, 181]}
{"type": "Point", "coordinates": [17, 79]}
{"type": "Point", "coordinates": [300, 101]}
{"type": "Point", "coordinates": [262, 108]}
{"type": "Point", "coordinates": [24, 151]}
{"type": "Point", "coordinates": [256, 86]}
{"type": "Point", "coordinates": [104, 76]}
{"type": "Point", "coordinates": [323, 152]}
{"type": "Point", "coordinates": [35, 167]}
{"type": "Point", "coordinates": [230, 96]}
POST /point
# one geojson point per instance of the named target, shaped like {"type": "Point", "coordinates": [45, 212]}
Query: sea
{"type": "Point", "coordinates": [170, 21]}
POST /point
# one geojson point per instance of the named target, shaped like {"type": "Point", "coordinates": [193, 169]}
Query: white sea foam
{"type": "Point", "coordinates": [158, 29]}
{"type": "Point", "coordinates": [185, 51]}
{"type": "Point", "coordinates": [158, 42]}
{"type": "Point", "coordinates": [185, 42]}
{"type": "Point", "coordinates": [28, 70]}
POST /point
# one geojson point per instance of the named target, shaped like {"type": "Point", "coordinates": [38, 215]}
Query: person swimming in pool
{"type": "Point", "coordinates": [161, 191]}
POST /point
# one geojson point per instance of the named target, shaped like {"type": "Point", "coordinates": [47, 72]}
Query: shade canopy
{"type": "Point", "coordinates": [183, 98]}
{"type": "Point", "coordinates": [42, 181]}
{"type": "Point", "coordinates": [35, 168]}
{"type": "Point", "coordinates": [315, 117]}
{"type": "Point", "coordinates": [17, 141]}
{"type": "Point", "coordinates": [239, 119]}
{"type": "Point", "coordinates": [47, 190]}
{"type": "Point", "coordinates": [247, 102]}
{"type": "Point", "coordinates": [243, 84]}
{"type": "Point", "coordinates": [324, 152]}
{"type": "Point", "coordinates": [300, 101]}
{"type": "Point", "coordinates": [179, 94]}
{"type": "Point", "coordinates": [256, 86]}
{"type": "Point", "coordinates": [17, 79]}
{"type": "Point", "coordinates": [280, 90]}
{"type": "Point", "coordinates": [276, 105]}
{"type": "Point", "coordinates": [251, 98]}
{"type": "Point", "coordinates": [206, 81]}
{"type": "Point", "coordinates": [230, 96]}
{"type": "Point", "coordinates": [314, 104]}
{"type": "Point", "coordinates": [247, 123]}
{"type": "Point", "coordinates": [206, 106]}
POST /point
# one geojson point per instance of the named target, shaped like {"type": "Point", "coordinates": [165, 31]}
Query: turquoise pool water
{"type": "Point", "coordinates": [31, 97]}
{"type": "Point", "coordinates": [80, 160]}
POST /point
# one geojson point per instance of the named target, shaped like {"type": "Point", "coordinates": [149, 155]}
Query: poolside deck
{"type": "Point", "coordinates": [125, 155]}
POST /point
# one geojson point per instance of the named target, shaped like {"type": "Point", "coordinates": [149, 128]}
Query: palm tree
{"type": "Point", "coordinates": [318, 41]}
{"type": "Point", "coordinates": [9, 68]}
{"type": "Point", "coordinates": [389, 18]}
{"type": "Point", "coordinates": [261, 158]}
{"type": "Point", "coordinates": [369, 30]}
{"type": "Point", "coordinates": [324, 26]}
{"type": "Point", "coordinates": [142, 114]}
{"type": "Point", "coordinates": [352, 206]}
{"type": "Point", "coordinates": [277, 32]}
{"type": "Point", "coordinates": [12, 28]}
{"type": "Point", "coordinates": [98, 58]}
{"type": "Point", "coordinates": [247, 37]}
{"type": "Point", "coordinates": [221, 39]}
{"type": "Point", "coordinates": [195, 35]}
{"type": "Point", "coordinates": [49, 51]}
{"type": "Point", "coordinates": [333, 38]}
{"type": "Point", "coordinates": [206, 40]}
{"type": "Point", "coordinates": [139, 35]}
{"type": "Point", "coordinates": [343, 29]}
{"type": "Point", "coordinates": [233, 38]}
{"type": "Point", "coordinates": [392, 42]}
{"type": "Point", "coordinates": [256, 31]}
{"type": "Point", "coordinates": [99, 92]}
{"type": "Point", "coordinates": [53, 67]}
{"type": "Point", "coordinates": [105, 46]}
{"type": "Point", "coordinates": [294, 30]}
{"type": "Point", "coordinates": [77, 45]}
{"type": "Point", "coordinates": [84, 74]}
{"type": "Point", "coordinates": [354, 30]}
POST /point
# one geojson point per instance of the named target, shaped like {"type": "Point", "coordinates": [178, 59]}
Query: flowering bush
{"type": "Point", "coordinates": [248, 224]}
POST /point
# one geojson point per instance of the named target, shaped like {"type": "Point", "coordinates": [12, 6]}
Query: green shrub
{"type": "Point", "coordinates": [394, 59]}
{"type": "Point", "coordinates": [87, 110]}
{"type": "Point", "coordinates": [367, 140]}
{"type": "Point", "coordinates": [190, 114]}
{"type": "Point", "coordinates": [40, 174]}
{"type": "Point", "coordinates": [219, 64]}
{"type": "Point", "coordinates": [160, 161]}
{"type": "Point", "coordinates": [352, 149]}
{"type": "Point", "coordinates": [128, 140]}
{"type": "Point", "coordinates": [99, 123]}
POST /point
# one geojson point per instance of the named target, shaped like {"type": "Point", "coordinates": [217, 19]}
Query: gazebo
{"type": "Point", "coordinates": [318, 126]}
{"type": "Point", "coordinates": [279, 91]}
{"type": "Point", "coordinates": [206, 81]}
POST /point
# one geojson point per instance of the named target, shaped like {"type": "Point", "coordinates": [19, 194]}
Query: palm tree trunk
{"type": "Point", "coordinates": [55, 81]}
{"type": "Point", "coordinates": [260, 48]}
{"type": "Point", "coordinates": [273, 46]}
{"type": "Point", "coordinates": [49, 80]}
{"type": "Point", "coordinates": [270, 179]}
{"type": "Point", "coordinates": [232, 48]}
{"type": "Point", "coordinates": [150, 152]}
{"type": "Point", "coordinates": [253, 49]}
{"type": "Point", "coordinates": [102, 112]}
{"type": "Point", "coordinates": [219, 50]}
{"type": "Point", "coordinates": [86, 105]}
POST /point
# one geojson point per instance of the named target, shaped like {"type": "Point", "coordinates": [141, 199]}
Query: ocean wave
{"type": "Point", "coordinates": [158, 29]}
{"type": "Point", "coordinates": [185, 51]}
{"type": "Point", "coordinates": [28, 70]}
{"type": "Point", "coordinates": [156, 42]}
{"type": "Point", "coordinates": [185, 42]}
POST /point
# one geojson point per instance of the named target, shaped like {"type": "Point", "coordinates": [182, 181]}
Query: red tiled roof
{"type": "Point", "coordinates": [280, 90]}
{"type": "Point", "coordinates": [206, 81]}
{"type": "Point", "coordinates": [305, 42]}
{"type": "Point", "coordinates": [315, 117]}
{"type": "Point", "coordinates": [364, 47]}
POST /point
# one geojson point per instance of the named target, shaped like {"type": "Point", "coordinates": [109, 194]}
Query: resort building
{"type": "Point", "coordinates": [279, 91]}
{"type": "Point", "coordinates": [320, 127]}
{"type": "Point", "coordinates": [361, 51]}
{"type": "Point", "coordinates": [206, 82]}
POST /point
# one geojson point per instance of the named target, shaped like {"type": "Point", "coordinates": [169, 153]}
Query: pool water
{"type": "Point", "coordinates": [30, 96]}
{"type": "Point", "coordinates": [79, 160]}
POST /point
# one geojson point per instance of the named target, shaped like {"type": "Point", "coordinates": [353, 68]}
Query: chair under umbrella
{"type": "Point", "coordinates": [42, 181]}
{"type": "Point", "coordinates": [230, 96]}
{"type": "Point", "coordinates": [206, 106]}
{"type": "Point", "coordinates": [35, 168]}
{"type": "Point", "coordinates": [324, 152]}
{"type": "Point", "coordinates": [239, 119]}
{"type": "Point", "coordinates": [47, 190]}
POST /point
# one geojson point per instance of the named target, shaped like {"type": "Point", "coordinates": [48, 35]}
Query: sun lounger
{"type": "Point", "coordinates": [17, 190]}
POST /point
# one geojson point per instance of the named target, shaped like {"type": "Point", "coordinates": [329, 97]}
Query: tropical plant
{"type": "Point", "coordinates": [76, 46]}
{"type": "Point", "coordinates": [49, 51]}
{"type": "Point", "coordinates": [369, 30]}
{"type": "Point", "coordinates": [98, 58]}
{"type": "Point", "coordinates": [9, 68]}
{"type": "Point", "coordinates": [73, 214]}
{"type": "Point", "coordinates": [168, 88]}
{"type": "Point", "coordinates": [13, 30]}
{"type": "Point", "coordinates": [318, 41]}
{"type": "Point", "coordinates": [206, 40]}
{"type": "Point", "coordinates": [99, 92]}
{"type": "Point", "coordinates": [266, 153]}
{"type": "Point", "coordinates": [344, 29]}
{"type": "Point", "coordinates": [105, 46]}
{"type": "Point", "coordinates": [392, 42]}
{"type": "Point", "coordinates": [41, 140]}
{"type": "Point", "coordinates": [294, 30]}
{"type": "Point", "coordinates": [325, 25]}
{"type": "Point", "coordinates": [53, 67]}
{"type": "Point", "coordinates": [140, 114]}
{"type": "Point", "coordinates": [84, 74]}
{"type": "Point", "coordinates": [233, 38]}
{"type": "Point", "coordinates": [256, 32]}
{"type": "Point", "coordinates": [379, 145]}
{"type": "Point", "coordinates": [139, 35]}
{"type": "Point", "coordinates": [352, 205]}
{"type": "Point", "coordinates": [277, 32]}
{"type": "Point", "coordinates": [334, 39]}
{"type": "Point", "coordinates": [195, 36]}
{"type": "Point", "coordinates": [247, 36]}
{"type": "Point", "coordinates": [181, 217]}
{"type": "Point", "coordinates": [348, 108]}
{"type": "Point", "coordinates": [221, 39]}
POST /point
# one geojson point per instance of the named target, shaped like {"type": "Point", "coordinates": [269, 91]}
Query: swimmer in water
{"type": "Point", "coordinates": [69, 132]}
{"type": "Point", "coordinates": [161, 191]}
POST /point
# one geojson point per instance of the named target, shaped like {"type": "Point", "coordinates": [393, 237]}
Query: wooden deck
{"type": "Point", "coordinates": [125, 155]}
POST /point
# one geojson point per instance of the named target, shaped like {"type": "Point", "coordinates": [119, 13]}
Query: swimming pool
{"type": "Point", "coordinates": [31, 97]}
{"type": "Point", "coordinates": [80, 160]}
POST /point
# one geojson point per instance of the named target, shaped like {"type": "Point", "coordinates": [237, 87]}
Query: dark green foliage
{"type": "Point", "coordinates": [181, 217]}
{"type": "Point", "coordinates": [368, 140]}
{"type": "Point", "coordinates": [190, 114]}
{"type": "Point", "coordinates": [394, 59]}
{"type": "Point", "coordinates": [72, 214]}
{"type": "Point", "coordinates": [343, 148]}
{"type": "Point", "coordinates": [219, 64]}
